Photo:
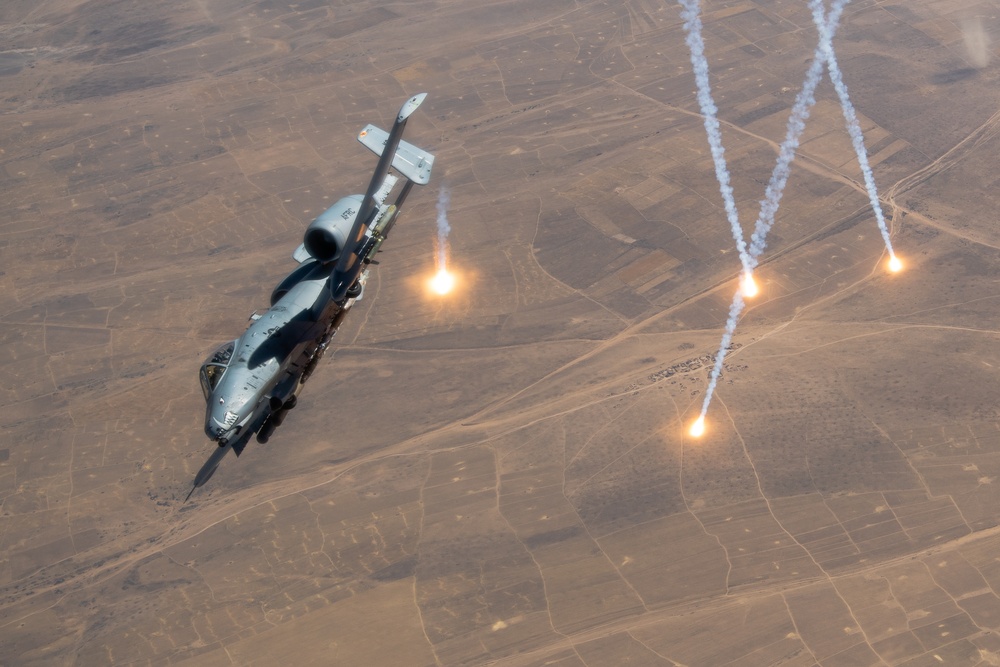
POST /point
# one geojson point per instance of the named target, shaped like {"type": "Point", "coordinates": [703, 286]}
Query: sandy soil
{"type": "Point", "coordinates": [503, 476]}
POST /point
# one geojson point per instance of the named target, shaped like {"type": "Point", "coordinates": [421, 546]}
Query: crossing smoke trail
{"type": "Point", "coordinates": [692, 27]}
{"type": "Point", "coordinates": [851, 118]}
{"type": "Point", "coordinates": [804, 102]}
{"type": "Point", "coordinates": [444, 201]}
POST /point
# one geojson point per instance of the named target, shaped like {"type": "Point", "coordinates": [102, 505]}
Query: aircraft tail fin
{"type": "Point", "coordinates": [415, 164]}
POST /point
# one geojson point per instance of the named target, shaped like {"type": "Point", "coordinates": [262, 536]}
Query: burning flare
{"type": "Point", "coordinates": [895, 264]}
{"type": "Point", "coordinates": [748, 286]}
{"type": "Point", "coordinates": [442, 282]}
{"type": "Point", "coordinates": [698, 427]}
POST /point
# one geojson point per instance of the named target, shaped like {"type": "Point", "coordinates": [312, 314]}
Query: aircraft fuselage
{"type": "Point", "coordinates": [269, 358]}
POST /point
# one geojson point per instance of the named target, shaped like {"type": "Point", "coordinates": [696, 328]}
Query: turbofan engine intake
{"type": "Point", "coordinates": [326, 236]}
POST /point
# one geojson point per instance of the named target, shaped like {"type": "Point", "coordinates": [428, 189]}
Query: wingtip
{"type": "Point", "coordinates": [409, 106]}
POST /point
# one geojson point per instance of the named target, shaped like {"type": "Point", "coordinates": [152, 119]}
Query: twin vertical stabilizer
{"type": "Point", "coordinates": [412, 162]}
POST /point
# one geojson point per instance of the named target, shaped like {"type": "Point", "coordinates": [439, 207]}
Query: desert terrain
{"type": "Point", "coordinates": [502, 476]}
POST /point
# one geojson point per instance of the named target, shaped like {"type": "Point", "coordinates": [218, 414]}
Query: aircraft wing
{"type": "Point", "coordinates": [412, 162]}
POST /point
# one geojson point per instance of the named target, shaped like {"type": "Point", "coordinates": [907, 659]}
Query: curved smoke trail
{"type": "Point", "coordinates": [851, 118]}
{"type": "Point", "coordinates": [443, 228]}
{"type": "Point", "coordinates": [692, 26]}
{"type": "Point", "coordinates": [804, 101]}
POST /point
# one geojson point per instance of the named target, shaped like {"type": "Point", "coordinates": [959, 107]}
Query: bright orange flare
{"type": "Point", "coordinates": [748, 286]}
{"type": "Point", "coordinates": [895, 264]}
{"type": "Point", "coordinates": [443, 282]}
{"type": "Point", "coordinates": [698, 428]}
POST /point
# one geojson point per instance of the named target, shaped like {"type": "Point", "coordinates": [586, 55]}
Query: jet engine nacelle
{"type": "Point", "coordinates": [327, 235]}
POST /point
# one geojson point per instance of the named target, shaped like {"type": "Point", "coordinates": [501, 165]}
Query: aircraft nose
{"type": "Point", "coordinates": [213, 430]}
{"type": "Point", "coordinates": [218, 425]}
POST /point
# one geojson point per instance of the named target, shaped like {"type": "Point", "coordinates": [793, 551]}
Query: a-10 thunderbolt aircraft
{"type": "Point", "coordinates": [251, 383]}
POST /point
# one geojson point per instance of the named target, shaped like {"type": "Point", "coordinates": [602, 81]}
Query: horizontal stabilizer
{"type": "Point", "coordinates": [412, 162]}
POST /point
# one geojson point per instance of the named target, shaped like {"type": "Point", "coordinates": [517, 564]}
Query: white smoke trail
{"type": "Point", "coordinates": [851, 118]}
{"type": "Point", "coordinates": [692, 26]}
{"type": "Point", "coordinates": [443, 228]}
{"type": "Point", "coordinates": [804, 102]}
{"type": "Point", "coordinates": [735, 308]}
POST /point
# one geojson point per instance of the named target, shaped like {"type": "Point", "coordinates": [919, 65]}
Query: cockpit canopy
{"type": "Point", "coordinates": [215, 366]}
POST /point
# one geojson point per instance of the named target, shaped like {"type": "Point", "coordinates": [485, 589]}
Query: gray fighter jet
{"type": "Point", "coordinates": [252, 382]}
